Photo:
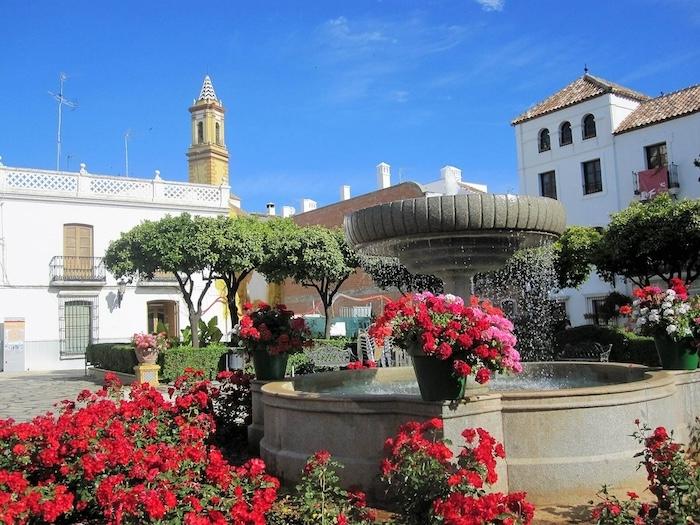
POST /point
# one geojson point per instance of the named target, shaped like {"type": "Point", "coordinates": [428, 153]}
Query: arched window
{"type": "Point", "coordinates": [217, 131]}
{"type": "Point", "coordinates": [200, 132]}
{"type": "Point", "coordinates": [565, 137]}
{"type": "Point", "coordinates": [543, 143]}
{"type": "Point", "coordinates": [588, 126]}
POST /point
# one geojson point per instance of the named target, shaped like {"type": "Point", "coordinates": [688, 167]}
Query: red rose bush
{"type": "Point", "coordinates": [119, 459]}
{"type": "Point", "coordinates": [272, 329]}
{"type": "Point", "coordinates": [476, 337]}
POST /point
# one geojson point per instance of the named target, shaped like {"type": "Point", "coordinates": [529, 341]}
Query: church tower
{"type": "Point", "coordinates": [207, 156]}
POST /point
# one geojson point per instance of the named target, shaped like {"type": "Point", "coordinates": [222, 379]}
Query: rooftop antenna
{"type": "Point", "coordinates": [62, 101]}
{"type": "Point", "coordinates": [126, 149]}
{"type": "Point", "coordinates": [585, 69]}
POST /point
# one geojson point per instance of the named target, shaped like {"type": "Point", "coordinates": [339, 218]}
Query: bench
{"type": "Point", "coordinates": [585, 351]}
{"type": "Point", "coordinates": [327, 356]}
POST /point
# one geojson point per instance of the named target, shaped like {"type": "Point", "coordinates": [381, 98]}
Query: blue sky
{"type": "Point", "coordinates": [318, 92]}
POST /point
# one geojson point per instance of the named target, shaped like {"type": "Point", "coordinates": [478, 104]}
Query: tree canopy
{"type": "Point", "coordinates": [573, 253]}
{"type": "Point", "coordinates": [388, 272]}
{"type": "Point", "coordinates": [180, 245]}
{"type": "Point", "coordinates": [313, 256]}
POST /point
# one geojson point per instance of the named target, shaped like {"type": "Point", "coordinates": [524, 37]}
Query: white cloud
{"type": "Point", "coordinates": [491, 5]}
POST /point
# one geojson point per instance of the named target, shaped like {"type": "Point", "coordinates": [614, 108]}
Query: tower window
{"type": "Point", "coordinates": [543, 143]}
{"type": "Point", "coordinates": [565, 137]}
{"type": "Point", "coordinates": [200, 132]}
{"type": "Point", "coordinates": [218, 133]}
{"type": "Point", "coordinates": [589, 126]}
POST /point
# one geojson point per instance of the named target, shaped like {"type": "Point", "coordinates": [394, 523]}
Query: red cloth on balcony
{"type": "Point", "coordinates": [652, 182]}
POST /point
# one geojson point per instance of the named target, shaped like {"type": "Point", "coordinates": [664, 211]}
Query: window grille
{"type": "Point", "coordinates": [78, 324]}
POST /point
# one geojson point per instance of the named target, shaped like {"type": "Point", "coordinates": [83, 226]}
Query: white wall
{"type": "Point", "coordinates": [32, 228]}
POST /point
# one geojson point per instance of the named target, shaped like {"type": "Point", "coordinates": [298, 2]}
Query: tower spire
{"type": "Point", "coordinates": [207, 92]}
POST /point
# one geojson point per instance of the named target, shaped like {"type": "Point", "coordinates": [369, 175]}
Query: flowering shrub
{"type": "Point", "coordinates": [673, 480]}
{"type": "Point", "coordinates": [660, 313]}
{"type": "Point", "coordinates": [232, 410]}
{"type": "Point", "coordinates": [429, 486]}
{"type": "Point", "coordinates": [158, 342]}
{"type": "Point", "coordinates": [320, 500]}
{"type": "Point", "coordinates": [359, 365]}
{"type": "Point", "coordinates": [273, 329]}
{"type": "Point", "coordinates": [118, 460]}
{"type": "Point", "coordinates": [477, 337]}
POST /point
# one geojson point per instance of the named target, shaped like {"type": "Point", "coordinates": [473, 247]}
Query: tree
{"type": "Point", "coordinates": [315, 257]}
{"type": "Point", "coordinates": [388, 272]}
{"type": "Point", "coordinates": [657, 238]}
{"type": "Point", "coordinates": [180, 245]}
{"type": "Point", "coordinates": [573, 255]}
{"type": "Point", "coordinates": [240, 247]}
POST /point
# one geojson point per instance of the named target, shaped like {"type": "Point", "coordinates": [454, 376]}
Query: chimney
{"type": "Point", "coordinates": [308, 205]}
{"type": "Point", "coordinates": [344, 192]}
{"type": "Point", "coordinates": [383, 175]}
{"type": "Point", "coordinates": [288, 211]}
{"type": "Point", "coordinates": [271, 208]}
{"type": "Point", "coordinates": [451, 177]}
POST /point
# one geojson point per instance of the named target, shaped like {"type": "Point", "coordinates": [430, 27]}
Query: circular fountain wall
{"type": "Point", "coordinates": [560, 443]}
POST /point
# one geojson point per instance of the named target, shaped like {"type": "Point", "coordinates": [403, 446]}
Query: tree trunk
{"type": "Point", "coordinates": [327, 332]}
{"type": "Point", "coordinates": [194, 327]}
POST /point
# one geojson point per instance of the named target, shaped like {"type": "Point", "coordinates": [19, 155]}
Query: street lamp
{"type": "Point", "coordinates": [121, 289]}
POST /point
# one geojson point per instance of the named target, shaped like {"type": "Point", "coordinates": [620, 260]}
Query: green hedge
{"type": "Point", "coordinates": [627, 347]}
{"type": "Point", "coordinates": [121, 358]}
{"type": "Point", "coordinates": [174, 360]}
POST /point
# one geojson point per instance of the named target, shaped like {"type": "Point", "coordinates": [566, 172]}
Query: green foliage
{"type": "Point", "coordinates": [174, 361]}
{"type": "Point", "coordinates": [314, 256]}
{"type": "Point", "coordinates": [388, 272]}
{"type": "Point", "coordinates": [656, 238]}
{"type": "Point", "coordinates": [181, 245]}
{"type": "Point", "coordinates": [300, 364]}
{"type": "Point", "coordinates": [209, 333]}
{"type": "Point", "coordinates": [573, 255]}
{"type": "Point", "coordinates": [119, 357]}
{"type": "Point", "coordinates": [627, 347]}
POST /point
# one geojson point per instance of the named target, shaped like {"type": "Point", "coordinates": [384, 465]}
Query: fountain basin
{"type": "Point", "coordinates": [560, 443]}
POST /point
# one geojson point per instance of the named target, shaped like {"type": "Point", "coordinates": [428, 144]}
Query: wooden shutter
{"type": "Point", "coordinates": [77, 251]}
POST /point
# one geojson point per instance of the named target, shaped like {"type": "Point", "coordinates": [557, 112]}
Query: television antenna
{"type": "Point", "coordinates": [62, 101]}
{"type": "Point", "coordinates": [127, 134]}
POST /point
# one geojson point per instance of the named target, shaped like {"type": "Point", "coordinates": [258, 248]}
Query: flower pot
{"type": "Point", "coordinates": [676, 355]}
{"type": "Point", "coordinates": [268, 366]}
{"type": "Point", "coordinates": [147, 356]}
{"type": "Point", "coordinates": [436, 379]}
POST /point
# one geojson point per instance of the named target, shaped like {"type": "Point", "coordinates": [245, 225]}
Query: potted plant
{"type": "Point", "coordinates": [449, 341]}
{"type": "Point", "coordinates": [667, 316]}
{"type": "Point", "coordinates": [148, 346]}
{"type": "Point", "coordinates": [269, 334]}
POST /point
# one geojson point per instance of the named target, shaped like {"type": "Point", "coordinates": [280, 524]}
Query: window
{"type": "Point", "coordinates": [565, 137]}
{"type": "Point", "coordinates": [592, 178]}
{"type": "Point", "coordinates": [543, 142]}
{"type": "Point", "coordinates": [588, 126]}
{"type": "Point", "coordinates": [548, 185]}
{"type": "Point", "coordinates": [163, 314]}
{"type": "Point", "coordinates": [78, 324]}
{"type": "Point", "coordinates": [656, 156]}
{"type": "Point", "coordinates": [77, 251]}
{"type": "Point", "coordinates": [217, 131]}
{"type": "Point", "coordinates": [200, 132]}
{"type": "Point", "coordinates": [596, 310]}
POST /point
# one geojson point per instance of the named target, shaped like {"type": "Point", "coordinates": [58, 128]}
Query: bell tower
{"type": "Point", "coordinates": [207, 156]}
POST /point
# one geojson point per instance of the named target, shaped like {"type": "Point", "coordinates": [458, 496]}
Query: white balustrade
{"type": "Point", "coordinates": [86, 185]}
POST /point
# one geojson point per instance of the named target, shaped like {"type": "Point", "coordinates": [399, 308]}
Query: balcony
{"type": "Point", "coordinates": [649, 183]}
{"type": "Point", "coordinates": [159, 279]}
{"type": "Point", "coordinates": [76, 271]}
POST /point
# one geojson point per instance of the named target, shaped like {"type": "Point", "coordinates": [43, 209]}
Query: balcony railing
{"type": "Point", "coordinates": [649, 183]}
{"type": "Point", "coordinates": [76, 269]}
{"type": "Point", "coordinates": [158, 278]}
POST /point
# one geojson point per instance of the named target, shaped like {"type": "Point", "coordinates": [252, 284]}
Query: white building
{"type": "Point", "coordinates": [55, 295]}
{"type": "Point", "coordinates": [598, 146]}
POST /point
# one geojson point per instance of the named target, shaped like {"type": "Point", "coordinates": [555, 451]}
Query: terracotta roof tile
{"type": "Point", "coordinates": [580, 90]}
{"type": "Point", "coordinates": [660, 109]}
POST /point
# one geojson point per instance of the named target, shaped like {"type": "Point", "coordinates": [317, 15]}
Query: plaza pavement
{"type": "Point", "coordinates": [24, 395]}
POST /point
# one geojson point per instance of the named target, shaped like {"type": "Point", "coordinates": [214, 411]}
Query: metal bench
{"type": "Point", "coordinates": [586, 351]}
{"type": "Point", "coordinates": [327, 356]}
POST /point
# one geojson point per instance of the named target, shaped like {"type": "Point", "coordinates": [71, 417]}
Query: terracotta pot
{"type": "Point", "coordinates": [147, 356]}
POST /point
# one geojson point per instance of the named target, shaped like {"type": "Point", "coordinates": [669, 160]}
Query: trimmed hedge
{"type": "Point", "coordinates": [627, 346]}
{"type": "Point", "coordinates": [120, 357]}
{"type": "Point", "coordinates": [210, 359]}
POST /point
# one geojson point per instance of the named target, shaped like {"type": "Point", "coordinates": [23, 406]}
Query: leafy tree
{"type": "Point", "coordinates": [240, 245]}
{"type": "Point", "coordinates": [180, 245]}
{"type": "Point", "coordinates": [388, 272]}
{"type": "Point", "coordinates": [315, 257]}
{"type": "Point", "coordinates": [573, 255]}
{"type": "Point", "coordinates": [657, 238]}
